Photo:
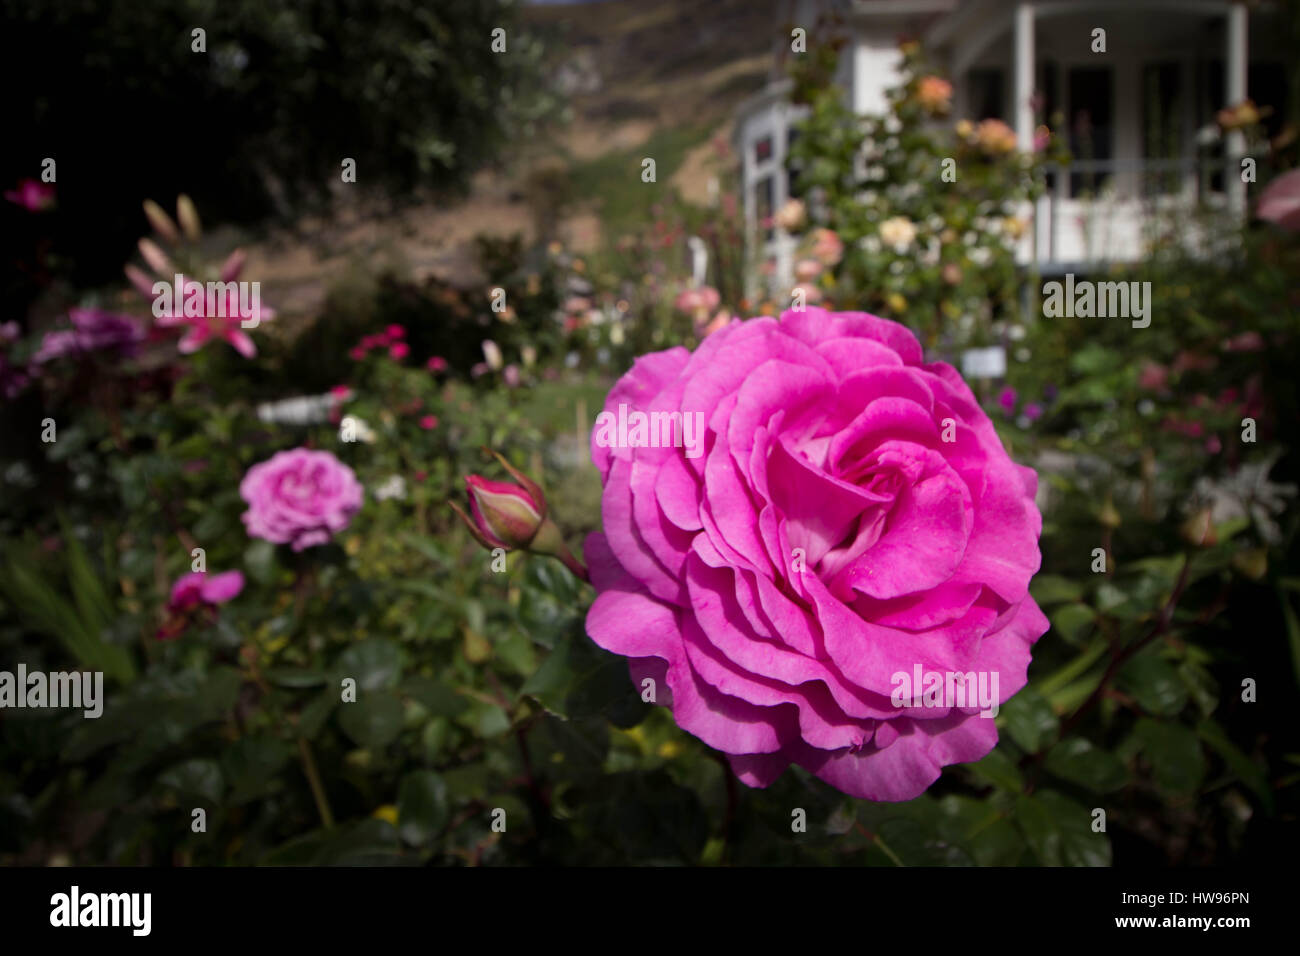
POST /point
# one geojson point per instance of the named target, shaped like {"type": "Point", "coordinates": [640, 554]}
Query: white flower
{"type": "Point", "coordinates": [1248, 493]}
{"type": "Point", "coordinates": [359, 429]}
{"type": "Point", "coordinates": [897, 232]}
{"type": "Point", "coordinates": [394, 486]}
{"type": "Point", "coordinates": [932, 252]}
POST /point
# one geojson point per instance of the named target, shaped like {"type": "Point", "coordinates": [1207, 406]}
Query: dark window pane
{"type": "Point", "coordinates": [1163, 136]}
{"type": "Point", "coordinates": [1091, 93]}
{"type": "Point", "coordinates": [763, 201]}
{"type": "Point", "coordinates": [986, 96]}
{"type": "Point", "coordinates": [1266, 85]}
{"type": "Point", "coordinates": [792, 166]}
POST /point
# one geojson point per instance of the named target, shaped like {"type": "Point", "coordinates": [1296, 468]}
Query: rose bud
{"type": "Point", "coordinates": [504, 514]}
{"type": "Point", "coordinates": [513, 516]}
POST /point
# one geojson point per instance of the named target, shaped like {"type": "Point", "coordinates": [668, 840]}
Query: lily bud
{"type": "Point", "coordinates": [155, 257]}
{"type": "Point", "coordinates": [161, 222]}
{"type": "Point", "coordinates": [189, 217]}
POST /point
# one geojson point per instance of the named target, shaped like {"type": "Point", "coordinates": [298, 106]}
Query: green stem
{"type": "Point", "coordinates": [313, 780]}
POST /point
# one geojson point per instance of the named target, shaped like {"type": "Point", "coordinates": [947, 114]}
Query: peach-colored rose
{"type": "Point", "coordinates": [995, 136]}
{"type": "Point", "coordinates": [934, 94]}
{"type": "Point", "coordinates": [792, 216]}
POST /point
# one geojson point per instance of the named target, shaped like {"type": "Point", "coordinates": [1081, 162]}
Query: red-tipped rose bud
{"type": "Point", "coordinates": [506, 515]}
{"type": "Point", "coordinates": [513, 516]}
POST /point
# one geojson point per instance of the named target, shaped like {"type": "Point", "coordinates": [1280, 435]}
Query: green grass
{"type": "Point", "coordinates": [613, 181]}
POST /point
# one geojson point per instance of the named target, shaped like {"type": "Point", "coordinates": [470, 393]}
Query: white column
{"type": "Point", "coordinates": [1024, 77]}
{"type": "Point", "coordinates": [1236, 61]}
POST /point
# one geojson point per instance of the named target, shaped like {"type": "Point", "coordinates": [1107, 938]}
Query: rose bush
{"type": "Point", "coordinates": [854, 516]}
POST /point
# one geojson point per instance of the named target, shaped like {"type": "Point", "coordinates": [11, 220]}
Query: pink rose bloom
{"type": "Point", "coordinates": [1250, 341]}
{"type": "Point", "coordinates": [695, 301]}
{"type": "Point", "coordinates": [399, 351]}
{"type": "Point", "coordinates": [32, 195]}
{"type": "Point", "coordinates": [807, 270]}
{"type": "Point", "coordinates": [299, 497]}
{"type": "Point", "coordinates": [1153, 376]}
{"type": "Point", "coordinates": [811, 294]}
{"type": "Point", "coordinates": [1007, 399]}
{"type": "Point", "coordinates": [198, 587]}
{"type": "Point", "coordinates": [429, 422]}
{"type": "Point", "coordinates": [827, 247]}
{"type": "Point", "coordinates": [395, 331]}
{"type": "Point", "coordinates": [778, 575]}
{"type": "Point", "coordinates": [436, 364]}
{"type": "Point", "coordinates": [1280, 201]}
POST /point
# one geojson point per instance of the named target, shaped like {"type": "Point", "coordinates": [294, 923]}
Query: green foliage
{"type": "Point", "coordinates": [928, 214]}
{"type": "Point", "coordinates": [488, 729]}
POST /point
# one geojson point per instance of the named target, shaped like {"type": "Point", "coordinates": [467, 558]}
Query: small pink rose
{"type": "Point", "coordinates": [300, 497]}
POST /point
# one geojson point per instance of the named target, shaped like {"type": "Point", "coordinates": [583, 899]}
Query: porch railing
{"type": "Point", "coordinates": [1145, 186]}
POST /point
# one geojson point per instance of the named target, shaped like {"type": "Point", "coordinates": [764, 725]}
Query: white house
{"type": "Point", "coordinates": [1131, 114]}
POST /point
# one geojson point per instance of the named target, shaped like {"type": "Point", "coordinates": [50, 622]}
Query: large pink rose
{"type": "Point", "coordinates": [300, 497]}
{"type": "Point", "coordinates": [847, 518]}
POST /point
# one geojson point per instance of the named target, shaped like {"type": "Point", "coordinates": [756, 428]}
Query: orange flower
{"type": "Point", "coordinates": [1244, 114]}
{"type": "Point", "coordinates": [934, 94]}
{"type": "Point", "coordinates": [995, 136]}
